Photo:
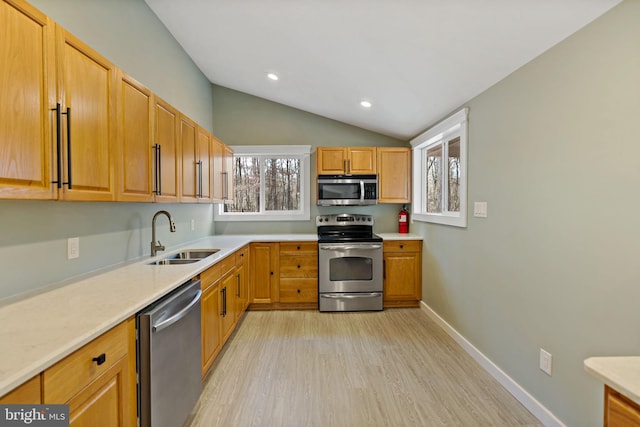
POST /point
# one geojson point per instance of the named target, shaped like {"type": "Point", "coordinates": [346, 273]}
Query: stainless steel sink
{"type": "Point", "coordinates": [187, 256]}
{"type": "Point", "coordinates": [195, 253]}
{"type": "Point", "coordinates": [169, 261]}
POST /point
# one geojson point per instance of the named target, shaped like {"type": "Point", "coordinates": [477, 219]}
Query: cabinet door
{"type": "Point", "coordinates": [394, 169]}
{"type": "Point", "coordinates": [204, 166]}
{"type": "Point", "coordinates": [135, 154]}
{"type": "Point", "coordinates": [188, 142]}
{"type": "Point", "coordinates": [402, 273]}
{"type": "Point", "coordinates": [264, 273]}
{"type": "Point", "coordinates": [100, 403]}
{"type": "Point", "coordinates": [362, 160]}
{"type": "Point", "coordinates": [331, 160]}
{"type": "Point", "coordinates": [619, 411]}
{"type": "Point", "coordinates": [228, 174]}
{"type": "Point", "coordinates": [228, 286]}
{"type": "Point", "coordinates": [217, 173]}
{"type": "Point", "coordinates": [211, 339]}
{"type": "Point", "coordinates": [27, 92]}
{"type": "Point", "coordinates": [167, 173]}
{"type": "Point", "coordinates": [86, 82]}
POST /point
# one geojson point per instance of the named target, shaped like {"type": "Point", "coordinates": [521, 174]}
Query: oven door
{"type": "Point", "coordinates": [350, 267]}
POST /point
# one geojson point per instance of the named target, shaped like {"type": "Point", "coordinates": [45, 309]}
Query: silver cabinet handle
{"type": "Point", "coordinates": [179, 315]}
{"type": "Point", "coordinates": [350, 296]}
{"type": "Point", "coordinates": [346, 248]}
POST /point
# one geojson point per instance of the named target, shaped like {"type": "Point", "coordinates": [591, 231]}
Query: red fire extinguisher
{"type": "Point", "coordinates": [403, 220]}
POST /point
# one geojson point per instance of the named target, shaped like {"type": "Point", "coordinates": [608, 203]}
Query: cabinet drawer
{"type": "Point", "coordinates": [210, 276]}
{"type": "Point", "coordinates": [298, 290]}
{"type": "Point", "coordinates": [299, 247]}
{"type": "Point", "coordinates": [226, 265]}
{"type": "Point", "coordinates": [303, 265]}
{"type": "Point", "coordinates": [242, 255]}
{"type": "Point", "coordinates": [64, 379]}
{"type": "Point", "coordinates": [402, 246]}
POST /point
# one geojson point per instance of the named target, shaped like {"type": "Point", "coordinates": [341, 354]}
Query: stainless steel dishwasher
{"type": "Point", "coordinates": [169, 358]}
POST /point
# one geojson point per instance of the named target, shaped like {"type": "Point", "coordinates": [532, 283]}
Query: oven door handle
{"type": "Point", "coordinates": [348, 248]}
{"type": "Point", "coordinates": [351, 296]}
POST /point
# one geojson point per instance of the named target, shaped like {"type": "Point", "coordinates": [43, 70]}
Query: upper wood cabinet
{"type": "Point", "coordinates": [394, 174]}
{"type": "Point", "coordinates": [167, 152]}
{"type": "Point", "coordinates": [86, 94]}
{"type": "Point", "coordinates": [205, 166]}
{"type": "Point", "coordinates": [134, 178]}
{"type": "Point", "coordinates": [27, 92]}
{"type": "Point", "coordinates": [196, 162]}
{"type": "Point", "coordinates": [346, 160]}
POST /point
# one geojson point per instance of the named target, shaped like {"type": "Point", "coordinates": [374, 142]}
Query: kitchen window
{"type": "Point", "coordinates": [440, 172]}
{"type": "Point", "coordinates": [271, 183]}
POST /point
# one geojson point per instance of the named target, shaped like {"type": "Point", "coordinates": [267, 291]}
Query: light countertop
{"type": "Point", "coordinates": [38, 331]}
{"type": "Point", "coordinates": [619, 373]}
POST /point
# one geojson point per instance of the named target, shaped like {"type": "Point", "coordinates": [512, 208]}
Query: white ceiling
{"type": "Point", "coordinates": [414, 60]}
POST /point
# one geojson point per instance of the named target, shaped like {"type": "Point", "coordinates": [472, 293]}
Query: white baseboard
{"type": "Point", "coordinates": [545, 416]}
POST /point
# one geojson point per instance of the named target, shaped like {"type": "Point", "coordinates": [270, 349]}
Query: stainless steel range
{"type": "Point", "coordinates": [349, 263]}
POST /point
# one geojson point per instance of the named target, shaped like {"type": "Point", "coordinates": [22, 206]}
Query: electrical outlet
{"type": "Point", "coordinates": [73, 247]}
{"type": "Point", "coordinates": [480, 209]}
{"type": "Point", "coordinates": [545, 361]}
{"type": "Point", "coordinates": [193, 225]}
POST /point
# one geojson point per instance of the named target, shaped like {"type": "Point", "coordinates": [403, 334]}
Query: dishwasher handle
{"type": "Point", "coordinates": [179, 315]}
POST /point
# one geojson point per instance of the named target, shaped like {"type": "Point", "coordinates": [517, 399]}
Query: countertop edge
{"type": "Point", "coordinates": [621, 373]}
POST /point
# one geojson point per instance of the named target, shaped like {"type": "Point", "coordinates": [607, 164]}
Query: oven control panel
{"type": "Point", "coordinates": [344, 219]}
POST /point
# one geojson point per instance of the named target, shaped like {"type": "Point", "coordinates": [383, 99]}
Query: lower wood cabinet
{"type": "Point", "coordinates": [620, 411]}
{"type": "Point", "coordinates": [211, 316]}
{"type": "Point", "coordinates": [298, 282]}
{"type": "Point", "coordinates": [264, 275]}
{"type": "Point", "coordinates": [402, 273]}
{"type": "Point", "coordinates": [26, 394]}
{"type": "Point", "coordinates": [284, 275]}
{"type": "Point", "coordinates": [98, 381]}
{"type": "Point", "coordinates": [225, 296]}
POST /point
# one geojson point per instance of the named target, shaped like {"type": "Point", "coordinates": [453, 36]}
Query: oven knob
{"type": "Point", "coordinates": [369, 219]}
{"type": "Point", "coordinates": [319, 219]}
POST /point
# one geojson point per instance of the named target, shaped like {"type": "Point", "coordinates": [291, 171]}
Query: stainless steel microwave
{"type": "Point", "coordinates": [347, 190]}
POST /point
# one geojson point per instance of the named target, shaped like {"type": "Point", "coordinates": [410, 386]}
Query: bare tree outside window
{"type": "Point", "coordinates": [280, 186]}
{"type": "Point", "coordinates": [453, 154]}
{"type": "Point", "coordinates": [434, 177]}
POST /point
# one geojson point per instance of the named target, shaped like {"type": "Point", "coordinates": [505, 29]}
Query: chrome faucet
{"type": "Point", "coordinates": [155, 247]}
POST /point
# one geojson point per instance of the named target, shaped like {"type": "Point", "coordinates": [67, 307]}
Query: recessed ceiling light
{"type": "Point", "coordinates": [365, 104]}
{"type": "Point", "coordinates": [272, 76]}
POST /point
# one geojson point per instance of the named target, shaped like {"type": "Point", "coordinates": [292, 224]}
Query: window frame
{"type": "Point", "coordinates": [302, 152]}
{"type": "Point", "coordinates": [447, 130]}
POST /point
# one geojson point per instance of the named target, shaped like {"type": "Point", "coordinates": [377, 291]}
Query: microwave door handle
{"type": "Point", "coordinates": [362, 191]}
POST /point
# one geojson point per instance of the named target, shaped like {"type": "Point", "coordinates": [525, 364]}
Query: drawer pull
{"type": "Point", "coordinates": [401, 246]}
{"type": "Point", "coordinates": [298, 266]}
{"type": "Point", "coordinates": [298, 290]}
{"type": "Point", "coordinates": [100, 359]}
{"type": "Point", "coordinates": [298, 247]}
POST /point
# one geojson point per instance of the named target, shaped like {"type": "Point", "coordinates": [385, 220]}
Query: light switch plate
{"type": "Point", "coordinates": [480, 209]}
{"type": "Point", "coordinates": [545, 361]}
{"type": "Point", "coordinates": [73, 247]}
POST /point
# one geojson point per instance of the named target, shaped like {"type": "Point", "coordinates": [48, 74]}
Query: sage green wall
{"type": "Point", "coordinates": [33, 234]}
{"type": "Point", "coordinates": [242, 119]}
{"type": "Point", "coordinates": [554, 150]}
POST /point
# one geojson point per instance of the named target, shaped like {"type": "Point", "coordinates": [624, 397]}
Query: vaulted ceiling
{"type": "Point", "coordinates": [413, 60]}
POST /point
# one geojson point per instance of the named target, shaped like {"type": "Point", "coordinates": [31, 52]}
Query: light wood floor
{"type": "Point", "coordinates": [389, 368]}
